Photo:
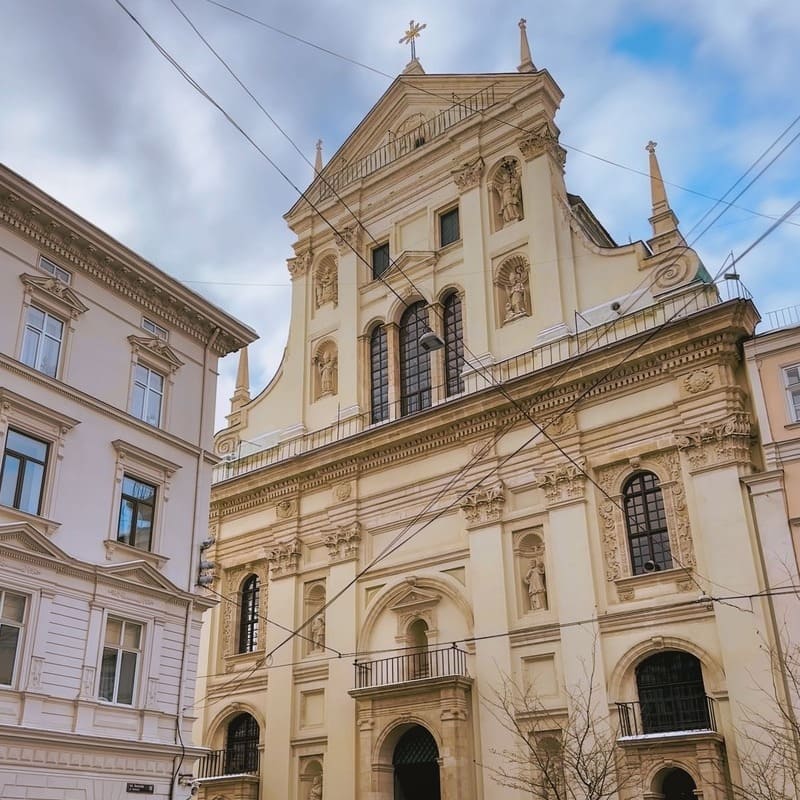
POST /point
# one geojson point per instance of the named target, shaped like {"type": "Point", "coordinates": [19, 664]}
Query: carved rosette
{"type": "Point", "coordinates": [343, 544]}
{"type": "Point", "coordinates": [698, 381]}
{"type": "Point", "coordinates": [543, 140]}
{"type": "Point", "coordinates": [284, 558]}
{"type": "Point", "coordinates": [561, 424]}
{"type": "Point", "coordinates": [566, 482]}
{"type": "Point", "coordinates": [468, 175]}
{"type": "Point", "coordinates": [348, 239]}
{"type": "Point", "coordinates": [484, 504]}
{"type": "Point", "coordinates": [713, 444]}
{"type": "Point", "coordinates": [298, 266]}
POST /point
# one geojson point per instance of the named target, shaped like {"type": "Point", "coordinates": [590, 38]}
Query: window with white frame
{"type": "Point", "coordinates": [12, 617]}
{"type": "Point", "coordinates": [155, 329]}
{"type": "Point", "coordinates": [23, 471]}
{"type": "Point", "coordinates": [791, 378]}
{"type": "Point", "coordinates": [41, 340]}
{"type": "Point", "coordinates": [59, 273]}
{"type": "Point", "coordinates": [120, 664]}
{"type": "Point", "coordinates": [148, 394]}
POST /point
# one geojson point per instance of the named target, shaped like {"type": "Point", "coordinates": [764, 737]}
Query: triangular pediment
{"type": "Point", "coordinates": [142, 574]}
{"type": "Point", "coordinates": [26, 538]}
{"type": "Point", "coordinates": [415, 598]}
{"type": "Point", "coordinates": [158, 349]}
{"type": "Point", "coordinates": [414, 110]}
{"type": "Point", "coordinates": [55, 291]}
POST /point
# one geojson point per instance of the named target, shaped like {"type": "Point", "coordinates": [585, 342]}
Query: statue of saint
{"type": "Point", "coordinates": [316, 787]}
{"type": "Point", "coordinates": [318, 633]}
{"type": "Point", "coordinates": [515, 304]}
{"type": "Point", "coordinates": [534, 580]}
{"type": "Point", "coordinates": [326, 364]}
{"type": "Point", "coordinates": [325, 290]}
{"type": "Point", "coordinates": [508, 186]}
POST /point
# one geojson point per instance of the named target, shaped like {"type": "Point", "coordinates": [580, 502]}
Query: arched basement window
{"type": "Point", "coordinates": [453, 344]}
{"type": "Point", "coordinates": [646, 523]}
{"type": "Point", "coordinates": [248, 615]}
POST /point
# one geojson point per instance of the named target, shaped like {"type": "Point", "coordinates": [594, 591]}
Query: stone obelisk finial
{"type": "Point", "coordinates": [663, 219]}
{"type": "Point", "coordinates": [241, 394]}
{"type": "Point", "coordinates": [525, 60]}
{"type": "Point", "coordinates": [318, 159]}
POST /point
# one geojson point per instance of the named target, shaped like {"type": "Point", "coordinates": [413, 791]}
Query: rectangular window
{"type": "Point", "coordinates": [46, 265]}
{"type": "Point", "coordinates": [380, 260]}
{"type": "Point", "coordinates": [791, 376]}
{"type": "Point", "coordinates": [148, 394]}
{"type": "Point", "coordinates": [22, 473]}
{"type": "Point", "coordinates": [120, 663]}
{"type": "Point", "coordinates": [154, 328]}
{"type": "Point", "coordinates": [449, 229]}
{"type": "Point", "coordinates": [41, 341]}
{"type": "Point", "coordinates": [12, 615]}
{"type": "Point", "coordinates": [136, 513]}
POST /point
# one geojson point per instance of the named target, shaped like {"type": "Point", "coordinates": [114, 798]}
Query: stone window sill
{"type": "Point", "coordinates": [129, 553]}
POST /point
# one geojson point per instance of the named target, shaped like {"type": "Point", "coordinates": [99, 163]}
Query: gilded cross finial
{"type": "Point", "coordinates": [413, 32]}
{"type": "Point", "coordinates": [651, 146]}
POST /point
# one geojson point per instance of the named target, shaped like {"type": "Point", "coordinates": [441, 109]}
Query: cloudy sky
{"type": "Point", "coordinates": [90, 112]}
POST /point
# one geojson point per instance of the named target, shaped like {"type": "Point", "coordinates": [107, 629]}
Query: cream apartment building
{"type": "Point", "coordinates": [500, 449]}
{"type": "Point", "coordinates": [107, 386]}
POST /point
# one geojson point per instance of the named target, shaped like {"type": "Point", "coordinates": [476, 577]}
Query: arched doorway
{"type": "Point", "coordinates": [416, 766]}
{"type": "Point", "coordinates": [678, 785]}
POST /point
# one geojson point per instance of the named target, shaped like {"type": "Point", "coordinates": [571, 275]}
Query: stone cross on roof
{"type": "Point", "coordinates": [413, 32]}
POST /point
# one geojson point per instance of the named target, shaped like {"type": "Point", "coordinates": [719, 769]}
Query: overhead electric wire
{"type": "Point", "coordinates": [541, 430]}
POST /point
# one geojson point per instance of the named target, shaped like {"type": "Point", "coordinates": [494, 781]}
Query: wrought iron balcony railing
{"type": "Point", "coordinates": [418, 665]}
{"type": "Point", "coordinates": [228, 762]}
{"type": "Point", "coordinates": [667, 716]}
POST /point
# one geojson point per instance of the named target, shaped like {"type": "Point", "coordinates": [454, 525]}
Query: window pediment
{"type": "Point", "coordinates": [415, 599]}
{"type": "Point", "coordinates": [157, 351]}
{"type": "Point", "coordinates": [54, 293]}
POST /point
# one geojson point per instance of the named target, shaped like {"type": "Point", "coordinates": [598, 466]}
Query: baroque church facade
{"type": "Point", "coordinates": [502, 456]}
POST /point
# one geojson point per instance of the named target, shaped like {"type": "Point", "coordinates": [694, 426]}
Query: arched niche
{"type": "Point", "coordinates": [504, 183]}
{"type": "Point", "coordinates": [313, 601]}
{"type": "Point", "coordinates": [531, 569]}
{"type": "Point", "coordinates": [325, 369]}
{"type": "Point", "coordinates": [326, 281]}
{"type": "Point", "coordinates": [512, 282]}
{"type": "Point", "coordinates": [311, 778]}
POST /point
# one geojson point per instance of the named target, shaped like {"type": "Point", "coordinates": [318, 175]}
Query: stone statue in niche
{"type": "Point", "coordinates": [535, 581]}
{"type": "Point", "coordinates": [508, 186]}
{"type": "Point", "coordinates": [316, 788]}
{"type": "Point", "coordinates": [318, 633]}
{"type": "Point", "coordinates": [325, 290]}
{"type": "Point", "coordinates": [515, 293]}
{"type": "Point", "coordinates": [326, 364]}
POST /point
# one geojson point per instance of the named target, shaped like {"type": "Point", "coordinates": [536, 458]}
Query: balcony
{"type": "Point", "coordinates": [228, 763]}
{"type": "Point", "coordinates": [411, 668]}
{"type": "Point", "coordinates": [666, 717]}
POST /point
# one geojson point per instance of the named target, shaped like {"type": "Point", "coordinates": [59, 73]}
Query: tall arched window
{"type": "Point", "coordinates": [379, 375]}
{"type": "Point", "coordinates": [646, 522]}
{"type": "Point", "coordinates": [415, 363]}
{"type": "Point", "coordinates": [248, 615]}
{"type": "Point", "coordinates": [672, 696]}
{"type": "Point", "coordinates": [453, 344]}
{"type": "Point", "coordinates": [241, 745]}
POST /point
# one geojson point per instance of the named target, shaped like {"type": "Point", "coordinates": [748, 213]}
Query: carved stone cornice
{"type": "Point", "coordinates": [564, 483]}
{"type": "Point", "coordinates": [284, 558]}
{"type": "Point", "coordinates": [77, 245]}
{"type": "Point", "coordinates": [713, 444]}
{"type": "Point", "coordinates": [348, 239]}
{"type": "Point", "coordinates": [343, 544]}
{"type": "Point", "coordinates": [484, 504]}
{"type": "Point", "coordinates": [298, 266]}
{"type": "Point", "coordinates": [542, 140]}
{"type": "Point", "coordinates": [469, 174]}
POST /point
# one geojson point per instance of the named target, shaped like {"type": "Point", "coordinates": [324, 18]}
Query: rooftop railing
{"type": "Point", "coordinates": [586, 338]}
{"type": "Point", "coordinates": [415, 666]}
{"type": "Point", "coordinates": [780, 318]}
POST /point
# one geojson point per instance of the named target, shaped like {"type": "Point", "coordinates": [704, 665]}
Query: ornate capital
{"type": "Point", "coordinates": [284, 558]}
{"type": "Point", "coordinates": [348, 239]}
{"type": "Point", "coordinates": [564, 482]}
{"type": "Point", "coordinates": [543, 140]}
{"type": "Point", "coordinates": [485, 504]}
{"type": "Point", "coordinates": [716, 443]}
{"type": "Point", "coordinates": [343, 544]}
{"type": "Point", "coordinates": [469, 174]}
{"type": "Point", "coordinates": [298, 266]}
